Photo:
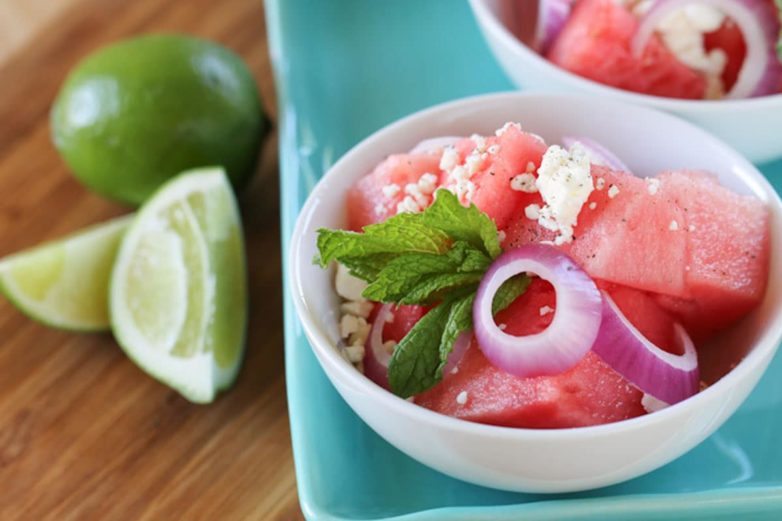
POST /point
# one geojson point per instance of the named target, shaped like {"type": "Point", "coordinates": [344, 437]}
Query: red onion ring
{"type": "Point", "coordinates": [761, 72]}
{"type": "Point", "coordinates": [600, 154]}
{"type": "Point", "coordinates": [376, 358]}
{"type": "Point", "coordinates": [667, 377]}
{"type": "Point", "coordinates": [569, 336]}
{"type": "Point", "coordinates": [552, 15]}
{"type": "Point", "coordinates": [435, 144]}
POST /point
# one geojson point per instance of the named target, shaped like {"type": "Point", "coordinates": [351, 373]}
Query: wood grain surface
{"type": "Point", "coordinates": [21, 20]}
{"type": "Point", "coordinates": [84, 434]}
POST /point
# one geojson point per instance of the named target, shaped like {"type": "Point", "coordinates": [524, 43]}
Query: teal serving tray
{"type": "Point", "coordinates": [345, 68]}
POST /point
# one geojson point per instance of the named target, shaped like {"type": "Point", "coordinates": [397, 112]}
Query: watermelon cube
{"type": "Point", "coordinates": [374, 197]}
{"type": "Point", "coordinates": [728, 251]}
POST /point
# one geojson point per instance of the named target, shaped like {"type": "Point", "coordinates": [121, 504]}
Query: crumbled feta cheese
{"type": "Point", "coordinates": [355, 353]}
{"type": "Point", "coordinates": [419, 194]}
{"type": "Point", "coordinates": [652, 404]}
{"type": "Point", "coordinates": [600, 183]}
{"type": "Point", "coordinates": [532, 212]}
{"type": "Point", "coordinates": [391, 190]}
{"type": "Point", "coordinates": [674, 226]}
{"type": "Point", "coordinates": [499, 132]}
{"type": "Point", "coordinates": [545, 310]}
{"type": "Point", "coordinates": [474, 162]}
{"type": "Point", "coordinates": [691, 227]}
{"type": "Point", "coordinates": [357, 308]}
{"type": "Point", "coordinates": [350, 324]}
{"type": "Point", "coordinates": [613, 191]}
{"type": "Point", "coordinates": [360, 336]}
{"type": "Point", "coordinates": [652, 185]}
{"type": "Point", "coordinates": [565, 182]}
{"type": "Point", "coordinates": [414, 191]}
{"type": "Point", "coordinates": [455, 369]}
{"type": "Point", "coordinates": [682, 32]}
{"type": "Point", "coordinates": [381, 209]}
{"type": "Point", "coordinates": [408, 205]}
{"type": "Point", "coordinates": [530, 167]}
{"type": "Point", "coordinates": [428, 183]}
{"type": "Point", "coordinates": [464, 190]}
{"type": "Point", "coordinates": [502, 326]}
{"type": "Point", "coordinates": [524, 183]}
{"type": "Point", "coordinates": [494, 149]}
{"type": "Point", "coordinates": [348, 286]}
{"type": "Point", "coordinates": [459, 173]}
{"type": "Point", "coordinates": [449, 159]}
{"type": "Point", "coordinates": [461, 398]}
{"type": "Point", "coordinates": [501, 236]}
{"type": "Point", "coordinates": [592, 205]}
{"type": "Point", "coordinates": [480, 143]}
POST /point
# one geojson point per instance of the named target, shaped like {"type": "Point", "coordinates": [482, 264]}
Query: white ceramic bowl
{"type": "Point", "coordinates": [527, 459]}
{"type": "Point", "coordinates": [750, 125]}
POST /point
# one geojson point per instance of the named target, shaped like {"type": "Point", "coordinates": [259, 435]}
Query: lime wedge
{"type": "Point", "coordinates": [64, 283]}
{"type": "Point", "coordinates": [178, 296]}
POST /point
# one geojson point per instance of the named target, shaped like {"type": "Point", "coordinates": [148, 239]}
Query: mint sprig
{"type": "Point", "coordinates": [434, 258]}
{"type": "Point", "coordinates": [420, 278]}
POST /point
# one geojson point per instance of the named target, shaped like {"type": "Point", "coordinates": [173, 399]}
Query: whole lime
{"type": "Point", "coordinates": [138, 112]}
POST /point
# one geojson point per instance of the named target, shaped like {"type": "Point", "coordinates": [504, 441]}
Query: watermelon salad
{"type": "Point", "coordinates": [506, 281]}
{"type": "Point", "coordinates": [690, 49]}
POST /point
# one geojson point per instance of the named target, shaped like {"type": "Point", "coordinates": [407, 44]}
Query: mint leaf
{"type": "Point", "coordinates": [468, 258]}
{"type": "Point", "coordinates": [459, 321]}
{"type": "Point", "coordinates": [510, 290]}
{"type": "Point", "coordinates": [404, 273]}
{"type": "Point", "coordinates": [420, 278]}
{"type": "Point", "coordinates": [367, 267]}
{"type": "Point", "coordinates": [465, 224]}
{"type": "Point", "coordinates": [402, 233]}
{"type": "Point", "coordinates": [413, 366]}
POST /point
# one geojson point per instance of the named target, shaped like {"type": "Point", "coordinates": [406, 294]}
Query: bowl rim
{"type": "Point", "coordinates": [492, 24]}
{"type": "Point", "coordinates": [344, 371]}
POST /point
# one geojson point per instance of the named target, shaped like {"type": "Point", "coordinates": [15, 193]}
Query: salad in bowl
{"type": "Point", "coordinates": [536, 283]}
{"type": "Point", "coordinates": [690, 49]}
{"type": "Point", "coordinates": [716, 63]}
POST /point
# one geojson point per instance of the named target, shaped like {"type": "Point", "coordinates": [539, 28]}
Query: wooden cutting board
{"type": "Point", "coordinates": [84, 434]}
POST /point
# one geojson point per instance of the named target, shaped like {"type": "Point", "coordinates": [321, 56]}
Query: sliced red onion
{"type": "Point", "coordinates": [669, 378]}
{"type": "Point", "coordinates": [761, 72]}
{"type": "Point", "coordinates": [377, 358]}
{"type": "Point", "coordinates": [552, 15]}
{"type": "Point", "coordinates": [597, 152]}
{"type": "Point", "coordinates": [435, 144]}
{"type": "Point", "coordinates": [570, 335]}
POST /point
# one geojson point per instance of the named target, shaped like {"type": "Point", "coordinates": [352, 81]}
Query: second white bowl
{"type": "Point", "coordinates": [750, 125]}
